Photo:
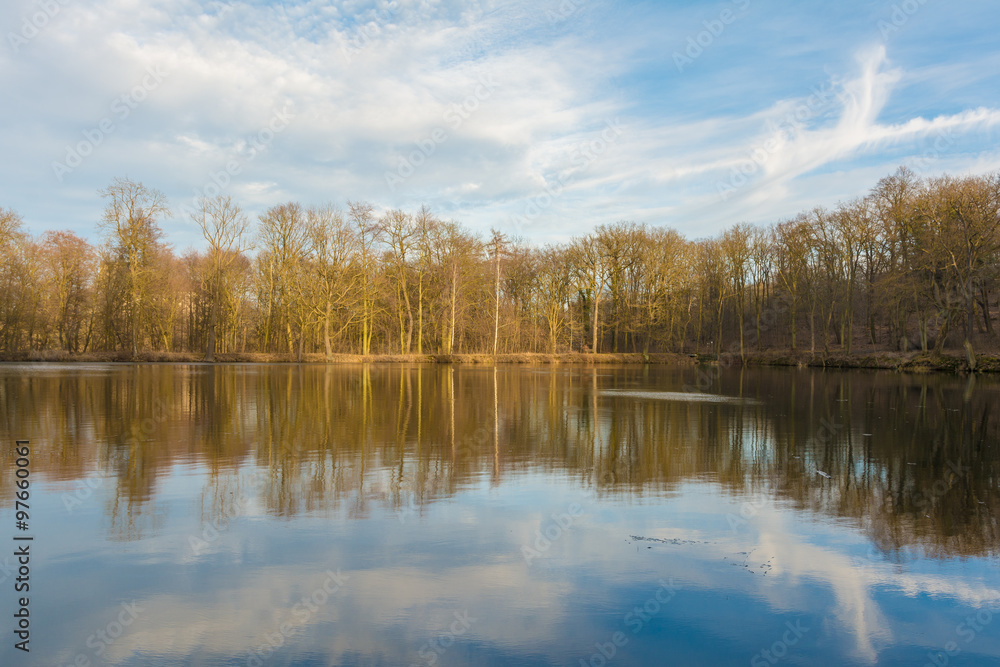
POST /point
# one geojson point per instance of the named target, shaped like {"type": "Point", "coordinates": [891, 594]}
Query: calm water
{"type": "Point", "coordinates": [405, 515]}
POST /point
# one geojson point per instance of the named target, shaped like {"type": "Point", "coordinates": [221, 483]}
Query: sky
{"type": "Point", "coordinates": [541, 119]}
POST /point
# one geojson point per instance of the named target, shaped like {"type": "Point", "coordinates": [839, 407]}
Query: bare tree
{"type": "Point", "coordinates": [397, 230]}
{"type": "Point", "coordinates": [333, 249]}
{"type": "Point", "coordinates": [425, 223]}
{"type": "Point", "coordinates": [587, 258]}
{"type": "Point", "coordinates": [224, 226]}
{"type": "Point", "coordinates": [71, 262]}
{"type": "Point", "coordinates": [736, 246]}
{"type": "Point", "coordinates": [363, 218]}
{"type": "Point", "coordinates": [497, 248]}
{"type": "Point", "coordinates": [554, 284]}
{"type": "Point", "coordinates": [131, 225]}
{"type": "Point", "coordinates": [282, 240]}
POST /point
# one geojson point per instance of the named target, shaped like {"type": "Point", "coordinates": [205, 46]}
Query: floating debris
{"type": "Point", "coordinates": [676, 540]}
{"type": "Point", "coordinates": [763, 568]}
{"type": "Point", "coordinates": [689, 397]}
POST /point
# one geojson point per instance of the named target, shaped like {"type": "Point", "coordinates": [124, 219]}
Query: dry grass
{"type": "Point", "coordinates": [913, 362]}
{"type": "Point", "coordinates": [61, 356]}
{"type": "Point", "coordinates": [485, 359]}
{"type": "Point", "coordinates": [277, 358]}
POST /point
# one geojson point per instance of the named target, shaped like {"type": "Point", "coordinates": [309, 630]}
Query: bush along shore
{"type": "Point", "coordinates": [917, 362]}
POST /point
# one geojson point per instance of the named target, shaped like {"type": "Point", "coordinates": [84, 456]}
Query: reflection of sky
{"type": "Point", "coordinates": [409, 573]}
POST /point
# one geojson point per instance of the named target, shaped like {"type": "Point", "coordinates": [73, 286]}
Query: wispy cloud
{"type": "Point", "coordinates": [560, 76]}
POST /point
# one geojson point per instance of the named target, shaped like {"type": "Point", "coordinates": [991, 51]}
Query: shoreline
{"type": "Point", "coordinates": [913, 362]}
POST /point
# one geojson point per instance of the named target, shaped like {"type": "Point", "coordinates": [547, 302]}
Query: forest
{"type": "Point", "coordinates": [911, 265]}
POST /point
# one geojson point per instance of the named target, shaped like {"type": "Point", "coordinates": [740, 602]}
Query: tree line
{"type": "Point", "coordinates": [913, 264]}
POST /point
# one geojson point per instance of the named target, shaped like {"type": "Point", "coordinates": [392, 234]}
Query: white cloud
{"type": "Point", "coordinates": [368, 81]}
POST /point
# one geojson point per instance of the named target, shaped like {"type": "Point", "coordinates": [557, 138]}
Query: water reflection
{"type": "Point", "coordinates": [911, 459]}
{"type": "Point", "coordinates": [838, 500]}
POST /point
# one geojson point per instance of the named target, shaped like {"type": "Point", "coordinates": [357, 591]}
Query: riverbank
{"type": "Point", "coordinates": [914, 362]}
{"type": "Point", "coordinates": [278, 358]}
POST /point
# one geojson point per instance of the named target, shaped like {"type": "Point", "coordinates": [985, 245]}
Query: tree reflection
{"type": "Point", "coordinates": [912, 460]}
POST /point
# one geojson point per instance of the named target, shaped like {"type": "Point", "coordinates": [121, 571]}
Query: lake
{"type": "Point", "coordinates": [514, 515]}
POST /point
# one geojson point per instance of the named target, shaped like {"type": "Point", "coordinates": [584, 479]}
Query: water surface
{"type": "Point", "coordinates": [566, 515]}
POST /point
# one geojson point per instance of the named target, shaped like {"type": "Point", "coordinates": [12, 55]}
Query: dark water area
{"type": "Point", "coordinates": [468, 515]}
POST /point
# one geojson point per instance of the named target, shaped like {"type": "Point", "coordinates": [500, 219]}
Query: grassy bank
{"type": "Point", "coordinates": [272, 358]}
{"type": "Point", "coordinates": [915, 362]}
{"type": "Point", "coordinates": [895, 361]}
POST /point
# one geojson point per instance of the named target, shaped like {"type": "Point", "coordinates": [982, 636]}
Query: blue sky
{"type": "Point", "coordinates": [542, 119]}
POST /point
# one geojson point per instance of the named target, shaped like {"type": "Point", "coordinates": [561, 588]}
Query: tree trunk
{"type": "Point", "coordinates": [593, 346]}
{"type": "Point", "coordinates": [420, 315]}
{"type": "Point", "coordinates": [326, 333]}
{"type": "Point", "coordinates": [496, 310]}
{"type": "Point", "coordinates": [454, 296]}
